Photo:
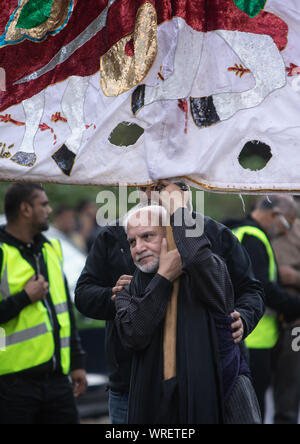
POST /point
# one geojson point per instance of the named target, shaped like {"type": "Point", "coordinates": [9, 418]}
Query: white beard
{"type": "Point", "coordinates": [150, 268]}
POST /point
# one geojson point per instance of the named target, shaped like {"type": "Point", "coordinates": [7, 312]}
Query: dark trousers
{"type": "Point", "coordinates": [279, 367]}
{"type": "Point", "coordinates": [261, 370]}
{"type": "Point", "coordinates": [48, 400]}
{"type": "Point", "coordinates": [286, 379]}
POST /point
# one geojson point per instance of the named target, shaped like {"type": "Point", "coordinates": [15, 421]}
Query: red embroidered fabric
{"type": "Point", "coordinates": [22, 59]}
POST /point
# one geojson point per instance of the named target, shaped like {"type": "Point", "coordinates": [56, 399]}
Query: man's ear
{"type": "Point", "coordinates": [26, 210]}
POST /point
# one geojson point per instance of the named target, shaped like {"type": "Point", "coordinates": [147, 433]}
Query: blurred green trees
{"type": "Point", "coordinates": [217, 206]}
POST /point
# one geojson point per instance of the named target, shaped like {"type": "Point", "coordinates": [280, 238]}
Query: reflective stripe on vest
{"type": "Point", "coordinates": [29, 337]}
{"type": "Point", "coordinates": [4, 289]}
{"type": "Point", "coordinates": [266, 333]}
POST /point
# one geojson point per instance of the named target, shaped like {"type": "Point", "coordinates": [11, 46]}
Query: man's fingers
{"type": "Point", "coordinates": [236, 315]}
{"type": "Point", "coordinates": [118, 288]}
{"type": "Point", "coordinates": [124, 282]}
{"type": "Point", "coordinates": [237, 334]}
{"type": "Point", "coordinates": [238, 327]}
{"type": "Point", "coordinates": [165, 182]}
{"type": "Point", "coordinates": [237, 341]}
{"type": "Point", "coordinates": [237, 324]}
{"type": "Point", "coordinates": [164, 246]}
{"type": "Point", "coordinates": [238, 321]}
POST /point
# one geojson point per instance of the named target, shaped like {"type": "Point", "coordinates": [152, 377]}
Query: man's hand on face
{"type": "Point", "coordinates": [170, 264]}
{"type": "Point", "coordinates": [172, 197]}
{"type": "Point", "coordinates": [123, 280]}
{"type": "Point", "coordinates": [37, 288]}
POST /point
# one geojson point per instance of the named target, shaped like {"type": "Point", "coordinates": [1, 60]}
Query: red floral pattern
{"type": "Point", "coordinates": [202, 15]}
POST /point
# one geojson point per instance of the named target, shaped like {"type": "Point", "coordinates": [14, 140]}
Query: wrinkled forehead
{"type": "Point", "coordinates": [142, 231]}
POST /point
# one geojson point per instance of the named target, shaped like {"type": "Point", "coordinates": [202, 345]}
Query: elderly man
{"type": "Point", "coordinates": [211, 373]}
{"type": "Point", "coordinates": [109, 267]}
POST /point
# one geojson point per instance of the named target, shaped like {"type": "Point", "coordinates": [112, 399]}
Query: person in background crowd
{"type": "Point", "coordinates": [287, 362]}
{"type": "Point", "coordinates": [64, 220]}
{"type": "Point", "coordinates": [271, 218]}
{"type": "Point", "coordinates": [87, 225]}
{"type": "Point", "coordinates": [41, 340]}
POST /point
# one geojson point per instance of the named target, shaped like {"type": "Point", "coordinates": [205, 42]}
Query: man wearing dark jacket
{"type": "Point", "coordinates": [110, 258]}
{"type": "Point", "coordinates": [42, 346]}
{"type": "Point", "coordinates": [272, 217]}
{"type": "Point", "coordinates": [109, 266]}
{"type": "Point", "coordinates": [206, 352]}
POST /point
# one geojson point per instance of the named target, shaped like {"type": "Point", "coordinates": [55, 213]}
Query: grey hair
{"type": "Point", "coordinates": [158, 210]}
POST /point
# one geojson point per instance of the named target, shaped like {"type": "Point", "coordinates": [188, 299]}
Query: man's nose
{"type": "Point", "coordinates": [140, 246]}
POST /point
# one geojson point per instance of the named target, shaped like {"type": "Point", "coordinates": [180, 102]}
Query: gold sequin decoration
{"type": "Point", "coordinates": [58, 16]}
{"type": "Point", "coordinates": [120, 72]}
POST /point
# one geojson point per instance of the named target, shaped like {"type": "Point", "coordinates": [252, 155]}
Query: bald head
{"type": "Point", "coordinates": [276, 213]}
{"type": "Point", "coordinates": [283, 203]}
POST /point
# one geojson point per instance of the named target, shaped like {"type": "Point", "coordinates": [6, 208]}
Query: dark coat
{"type": "Point", "coordinates": [196, 394]}
{"type": "Point", "coordinates": [108, 259]}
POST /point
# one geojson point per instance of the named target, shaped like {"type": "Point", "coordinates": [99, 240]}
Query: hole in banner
{"type": "Point", "coordinates": [126, 134]}
{"type": "Point", "coordinates": [255, 155]}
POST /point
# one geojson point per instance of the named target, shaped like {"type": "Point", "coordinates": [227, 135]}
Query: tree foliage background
{"type": "Point", "coordinates": [217, 206]}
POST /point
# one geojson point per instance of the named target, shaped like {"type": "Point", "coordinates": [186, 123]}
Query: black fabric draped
{"type": "Point", "coordinates": [195, 395]}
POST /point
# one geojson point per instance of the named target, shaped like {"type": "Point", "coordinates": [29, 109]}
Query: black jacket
{"type": "Point", "coordinates": [275, 296]}
{"type": "Point", "coordinates": [195, 395]}
{"type": "Point", "coordinates": [108, 259]}
{"type": "Point", "coordinates": [248, 291]}
{"type": "Point", "coordinates": [11, 307]}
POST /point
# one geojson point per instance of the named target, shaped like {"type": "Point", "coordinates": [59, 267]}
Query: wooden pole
{"type": "Point", "coordinates": [170, 330]}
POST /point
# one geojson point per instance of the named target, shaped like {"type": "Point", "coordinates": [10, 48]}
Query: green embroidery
{"type": "Point", "coordinates": [34, 13]}
{"type": "Point", "coordinates": [251, 7]}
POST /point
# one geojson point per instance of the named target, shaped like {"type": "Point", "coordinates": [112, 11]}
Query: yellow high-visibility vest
{"type": "Point", "coordinates": [29, 339]}
{"type": "Point", "coordinates": [266, 333]}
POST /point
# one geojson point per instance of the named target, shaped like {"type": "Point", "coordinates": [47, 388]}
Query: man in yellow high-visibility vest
{"type": "Point", "coordinates": [271, 217]}
{"type": "Point", "coordinates": [42, 347]}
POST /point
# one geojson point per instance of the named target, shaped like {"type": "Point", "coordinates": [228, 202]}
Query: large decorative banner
{"type": "Point", "coordinates": [130, 91]}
